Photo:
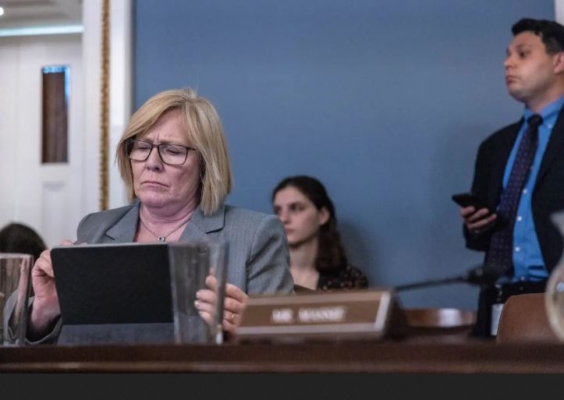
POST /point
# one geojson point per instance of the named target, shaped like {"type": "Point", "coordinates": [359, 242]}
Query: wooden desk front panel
{"type": "Point", "coordinates": [352, 357]}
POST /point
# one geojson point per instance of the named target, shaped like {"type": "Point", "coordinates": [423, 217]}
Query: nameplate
{"type": "Point", "coordinates": [330, 315]}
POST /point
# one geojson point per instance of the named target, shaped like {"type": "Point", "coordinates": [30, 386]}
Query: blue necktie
{"type": "Point", "coordinates": [500, 252]}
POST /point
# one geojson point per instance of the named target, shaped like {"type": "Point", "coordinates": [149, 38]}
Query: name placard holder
{"type": "Point", "coordinates": [363, 314]}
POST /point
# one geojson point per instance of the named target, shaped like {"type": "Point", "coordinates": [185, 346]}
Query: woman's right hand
{"type": "Point", "coordinates": [45, 306]}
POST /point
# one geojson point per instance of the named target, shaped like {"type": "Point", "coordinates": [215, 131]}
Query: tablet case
{"type": "Point", "coordinates": [122, 293]}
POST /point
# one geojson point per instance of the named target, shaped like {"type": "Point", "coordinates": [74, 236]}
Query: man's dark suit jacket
{"type": "Point", "coordinates": [548, 193]}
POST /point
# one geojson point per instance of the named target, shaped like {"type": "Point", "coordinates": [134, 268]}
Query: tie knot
{"type": "Point", "coordinates": [534, 121]}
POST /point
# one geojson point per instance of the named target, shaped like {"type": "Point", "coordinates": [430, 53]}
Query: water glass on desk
{"type": "Point", "coordinates": [554, 294]}
{"type": "Point", "coordinates": [190, 265]}
{"type": "Point", "coordinates": [15, 286]}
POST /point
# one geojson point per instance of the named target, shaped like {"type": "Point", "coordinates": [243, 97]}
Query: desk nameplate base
{"type": "Point", "coordinates": [320, 315]}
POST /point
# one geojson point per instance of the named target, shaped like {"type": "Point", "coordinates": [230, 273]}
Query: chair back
{"type": "Point", "coordinates": [524, 319]}
{"type": "Point", "coordinates": [443, 324]}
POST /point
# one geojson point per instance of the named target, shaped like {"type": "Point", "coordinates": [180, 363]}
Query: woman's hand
{"type": "Point", "coordinates": [234, 306]}
{"type": "Point", "coordinates": [45, 306]}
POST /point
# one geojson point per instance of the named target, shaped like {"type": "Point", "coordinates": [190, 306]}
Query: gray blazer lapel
{"type": "Point", "coordinates": [197, 229]}
{"type": "Point", "coordinates": [124, 230]}
{"type": "Point", "coordinates": [200, 225]}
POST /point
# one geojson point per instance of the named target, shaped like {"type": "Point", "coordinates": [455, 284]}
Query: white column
{"type": "Point", "coordinates": [120, 91]}
{"type": "Point", "coordinates": [91, 53]}
{"type": "Point", "coordinates": [120, 95]}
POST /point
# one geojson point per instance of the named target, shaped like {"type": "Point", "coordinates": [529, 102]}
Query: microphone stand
{"type": "Point", "coordinates": [476, 276]}
{"type": "Point", "coordinates": [436, 282]}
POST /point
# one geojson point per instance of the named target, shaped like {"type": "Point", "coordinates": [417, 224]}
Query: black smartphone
{"type": "Point", "coordinates": [469, 199]}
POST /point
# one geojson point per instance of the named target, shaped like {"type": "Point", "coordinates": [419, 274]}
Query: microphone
{"type": "Point", "coordinates": [479, 275]}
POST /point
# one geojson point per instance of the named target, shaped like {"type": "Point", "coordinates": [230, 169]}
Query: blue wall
{"type": "Point", "coordinates": [385, 101]}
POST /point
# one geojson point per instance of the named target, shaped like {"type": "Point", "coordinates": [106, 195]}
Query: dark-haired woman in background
{"type": "Point", "coordinates": [317, 257]}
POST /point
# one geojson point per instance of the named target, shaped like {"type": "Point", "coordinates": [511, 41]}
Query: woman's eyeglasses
{"type": "Point", "coordinates": [170, 154]}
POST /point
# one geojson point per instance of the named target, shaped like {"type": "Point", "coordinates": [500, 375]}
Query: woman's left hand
{"type": "Point", "coordinates": [234, 306]}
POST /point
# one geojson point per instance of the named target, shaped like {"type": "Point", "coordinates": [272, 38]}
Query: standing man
{"type": "Point", "coordinates": [519, 173]}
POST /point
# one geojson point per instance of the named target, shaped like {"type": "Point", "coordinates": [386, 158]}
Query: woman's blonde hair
{"type": "Point", "coordinates": [204, 131]}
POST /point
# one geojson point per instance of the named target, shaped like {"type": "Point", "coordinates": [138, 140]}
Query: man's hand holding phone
{"type": "Point", "coordinates": [477, 216]}
{"type": "Point", "coordinates": [478, 221]}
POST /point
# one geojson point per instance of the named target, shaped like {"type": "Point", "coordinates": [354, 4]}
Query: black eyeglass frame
{"type": "Point", "coordinates": [131, 142]}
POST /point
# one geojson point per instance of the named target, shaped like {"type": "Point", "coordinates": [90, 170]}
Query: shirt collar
{"type": "Point", "coordinates": [549, 113]}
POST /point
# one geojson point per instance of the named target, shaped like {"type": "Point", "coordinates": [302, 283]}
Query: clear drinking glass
{"type": "Point", "coordinates": [15, 287]}
{"type": "Point", "coordinates": [554, 294]}
{"type": "Point", "coordinates": [190, 264]}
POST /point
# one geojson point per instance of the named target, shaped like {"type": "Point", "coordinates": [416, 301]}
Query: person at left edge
{"type": "Point", "coordinates": [20, 238]}
{"type": "Point", "coordinates": [174, 162]}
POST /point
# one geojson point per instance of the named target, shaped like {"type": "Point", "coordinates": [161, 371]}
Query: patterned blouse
{"type": "Point", "coordinates": [347, 278]}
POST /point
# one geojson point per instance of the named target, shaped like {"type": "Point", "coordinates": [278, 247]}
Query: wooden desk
{"type": "Point", "coordinates": [352, 357]}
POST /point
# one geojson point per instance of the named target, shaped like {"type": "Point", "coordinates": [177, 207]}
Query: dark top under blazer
{"type": "Point", "coordinates": [548, 192]}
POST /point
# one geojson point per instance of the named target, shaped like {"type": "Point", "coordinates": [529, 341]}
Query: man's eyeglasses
{"type": "Point", "coordinates": [170, 154]}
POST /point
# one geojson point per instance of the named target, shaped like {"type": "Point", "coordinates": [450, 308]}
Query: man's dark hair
{"type": "Point", "coordinates": [550, 32]}
{"type": "Point", "coordinates": [20, 238]}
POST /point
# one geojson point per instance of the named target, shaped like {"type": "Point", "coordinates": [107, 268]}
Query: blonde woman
{"type": "Point", "coordinates": [174, 162]}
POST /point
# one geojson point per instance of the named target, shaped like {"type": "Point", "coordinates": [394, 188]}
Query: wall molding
{"type": "Point", "coordinates": [108, 98]}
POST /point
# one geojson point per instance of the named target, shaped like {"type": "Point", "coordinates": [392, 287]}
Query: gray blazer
{"type": "Point", "coordinates": [258, 258]}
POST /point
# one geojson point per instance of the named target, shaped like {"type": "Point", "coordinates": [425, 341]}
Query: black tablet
{"type": "Point", "coordinates": [120, 293]}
